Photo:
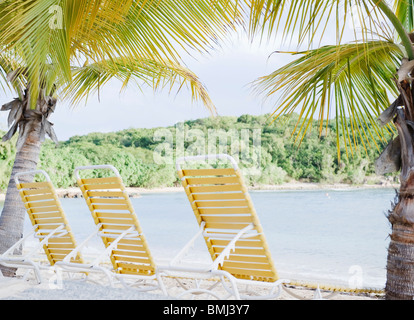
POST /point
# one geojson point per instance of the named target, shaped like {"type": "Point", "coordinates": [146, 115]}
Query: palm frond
{"type": "Point", "coordinates": [306, 21]}
{"type": "Point", "coordinates": [141, 72]}
{"type": "Point", "coordinates": [98, 30]}
{"type": "Point", "coordinates": [404, 10]}
{"type": "Point", "coordinates": [353, 80]}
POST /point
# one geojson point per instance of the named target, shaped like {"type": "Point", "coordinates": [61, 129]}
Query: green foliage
{"type": "Point", "coordinates": [7, 152]}
{"type": "Point", "coordinates": [131, 151]}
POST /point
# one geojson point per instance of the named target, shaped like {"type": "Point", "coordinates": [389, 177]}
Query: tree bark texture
{"type": "Point", "coordinates": [400, 260]}
{"type": "Point", "coordinates": [32, 126]}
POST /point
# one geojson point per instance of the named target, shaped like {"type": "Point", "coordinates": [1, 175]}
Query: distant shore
{"type": "Point", "coordinates": [136, 192]}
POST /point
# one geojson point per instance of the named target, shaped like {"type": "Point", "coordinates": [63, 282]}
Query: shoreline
{"type": "Point", "coordinates": [135, 192]}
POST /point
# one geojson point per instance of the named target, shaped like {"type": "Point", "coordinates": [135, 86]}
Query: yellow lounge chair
{"type": "Point", "coordinates": [118, 227]}
{"type": "Point", "coordinates": [50, 226]}
{"type": "Point", "coordinates": [231, 230]}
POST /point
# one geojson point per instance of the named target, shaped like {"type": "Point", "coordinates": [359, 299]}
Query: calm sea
{"type": "Point", "coordinates": [327, 235]}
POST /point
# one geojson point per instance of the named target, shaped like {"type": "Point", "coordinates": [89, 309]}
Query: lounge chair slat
{"type": "Point", "coordinates": [113, 215]}
{"type": "Point", "coordinates": [247, 258]}
{"type": "Point", "coordinates": [37, 191]}
{"type": "Point", "coordinates": [132, 253]}
{"type": "Point", "coordinates": [242, 251]}
{"type": "Point", "coordinates": [44, 209]}
{"type": "Point", "coordinates": [221, 204]}
{"type": "Point", "coordinates": [216, 225]}
{"type": "Point", "coordinates": [219, 196]}
{"type": "Point", "coordinates": [102, 186]}
{"type": "Point", "coordinates": [47, 196]}
{"type": "Point", "coordinates": [256, 274]}
{"type": "Point", "coordinates": [132, 265]}
{"type": "Point", "coordinates": [101, 180]}
{"type": "Point", "coordinates": [215, 180]}
{"type": "Point", "coordinates": [219, 218]}
{"type": "Point", "coordinates": [43, 215]}
{"type": "Point", "coordinates": [38, 204]}
{"type": "Point", "coordinates": [110, 207]}
{"type": "Point", "coordinates": [111, 194]}
{"type": "Point", "coordinates": [107, 200]}
{"type": "Point", "coordinates": [209, 172]}
{"type": "Point", "coordinates": [35, 185]}
{"type": "Point", "coordinates": [224, 210]}
{"type": "Point", "coordinates": [128, 221]}
{"type": "Point", "coordinates": [239, 243]}
{"type": "Point", "coordinates": [56, 220]}
{"type": "Point", "coordinates": [218, 188]}
{"type": "Point", "coordinates": [248, 265]}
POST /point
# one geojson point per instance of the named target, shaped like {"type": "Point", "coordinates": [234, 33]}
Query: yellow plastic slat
{"type": "Point", "coordinates": [101, 180]}
{"type": "Point", "coordinates": [110, 207]}
{"type": "Point", "coordinates": [102, 186]}
{"type": "Point", "coordinates": [218, 188]}
{"type": "Point", "coordinates": [107, 200]}
{"type": "Point", "coordinates": [215, 180]}
{"type": "Point", "coordinates": [249, 266]}
{"type": "Point", "coordinates": [239, 243]}
{"type": "Point", "coordinates": [113, 215]}
{"type": "Point", "coordinates": [224, 210]}
{"type": "Point", "coordinates": [126, 265]}
{"type": "Point", "coordinates": [229, 219]}
{"type": "Point", "coordinates": [251, 273]}
{"type": "Point", "coordinates": [221, 204]}
{"type": "Point", "coordinates": [209, 172]}
{"type": "Point", "coordinates": [38, 204]}
{"type": "Point", "coordinates": [247, 258]}
{"type": "Point", "coordinates": [44, 209]}
{"type": "Point", "coordinates": [214, 225]}
{"type": "Point", "coordinates": [219, 196]}
{"type": "Point", "coordinates": [37, 191]}
{"type": "Point", "coordinates": [57, 220]}
{"type": "Point", "coordinates": [243, 251]}
{"type": "Point", "coordinates": [116, 221]}
{"type": "Point", "coordinates": [48, 196]}
{"type": "Point", "coordinates": [35, 185]}
{"type": "Point", "coordinates": [112, 194]}
{"type": "Point", "coordinates": [44, 215]}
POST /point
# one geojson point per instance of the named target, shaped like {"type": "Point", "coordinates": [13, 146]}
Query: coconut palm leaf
{"type": "Point", "coordinates": [350, 80]}
{"type": "Point", "coordinates": [102, 30]}
{"type": "Point", "coordinates": [306, 21]}
{"type": "Point", "coordinates": [90, 78]}
{"type": "Point", "coordinates": [404, 10]}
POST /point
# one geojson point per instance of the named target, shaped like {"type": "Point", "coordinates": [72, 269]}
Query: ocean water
{"type": "Point", "coordinates": [333, 236]}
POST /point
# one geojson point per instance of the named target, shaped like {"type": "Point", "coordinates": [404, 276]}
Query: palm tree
{"type": "Point", "coordinates": [363, 82]}
{"type": "Point", "coordinates": [55, 50]}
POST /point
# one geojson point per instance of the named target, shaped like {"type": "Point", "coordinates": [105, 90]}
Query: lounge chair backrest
{"type": "Point", "coordinates": [112, 210]}
{"type": "Point", "coordinates": [46, 215]}
{"type": "Point", "coordinates": [220, 200]}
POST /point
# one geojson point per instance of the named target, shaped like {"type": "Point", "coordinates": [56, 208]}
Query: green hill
{"type": "Point", "coordinates": [136, 152]}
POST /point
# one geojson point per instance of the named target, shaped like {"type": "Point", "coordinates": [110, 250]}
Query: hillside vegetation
{"type": "Point", "coordinates": [279, 159]}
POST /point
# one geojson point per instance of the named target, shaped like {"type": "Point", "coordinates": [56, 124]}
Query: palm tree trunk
{"type": "Point", "coordinates": [13, 214]}
{"type": "Point", "coordinates": [400, 261]}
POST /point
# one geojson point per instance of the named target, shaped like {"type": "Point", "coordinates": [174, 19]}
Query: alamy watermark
{"type": "Point", "coordinates": [56, 19]}
{"type": "Point", "coordinates": [244, 145]}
